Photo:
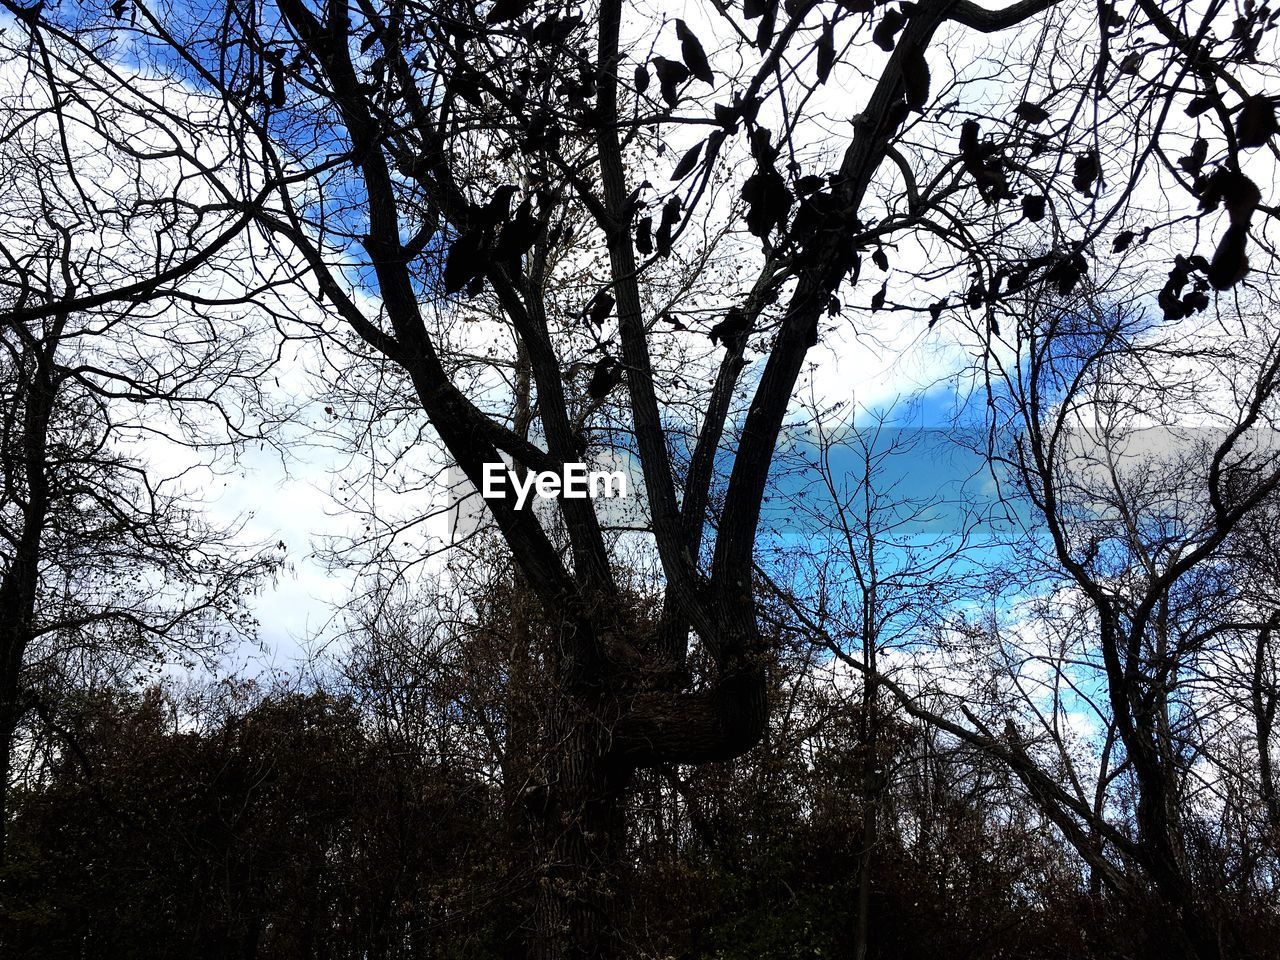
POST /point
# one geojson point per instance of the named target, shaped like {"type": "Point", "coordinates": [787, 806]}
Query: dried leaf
{"type": "Point", "coordinates": [1193, 161]}
{"type": "Point", "coordinates": [1256, 123]}
{"type": "Point", "coordinates": [915, 79]}
{"type": "Point", "coordinates": [671, 74]}
{"type": "Point", "coordinates": [504, 10]}
{"type": "Point", "coordinates": [695, 58]}
{"type": "Point", "coordinates": [1086, 172]}
{"type": "Point", "coordinates": [826, 50]}
{"type": "Point", "coordinates": [890, 23]}
{"type": "Point", "coordinates": [1030, 112]}
{"type": "Point", "coordinates": [687, 162]}
{"type": "Point", "coordinates": [644, 236]}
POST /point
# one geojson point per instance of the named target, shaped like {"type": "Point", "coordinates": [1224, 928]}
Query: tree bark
{"type": "Point", "coordinates": [579, 836]}
{"type": "Point", "coordinates": [871, 786]}
{"type": "Point", "coordinates": [8, 727]}
{"type": "Point", "coordinates": [20, 583]}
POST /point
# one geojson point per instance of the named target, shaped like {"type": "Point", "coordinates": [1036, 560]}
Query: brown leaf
{"type": "Point", "coordinates": [687, 162]}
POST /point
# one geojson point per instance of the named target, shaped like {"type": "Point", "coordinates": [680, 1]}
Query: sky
{"type": "Point", "coordinates": [887, 365]}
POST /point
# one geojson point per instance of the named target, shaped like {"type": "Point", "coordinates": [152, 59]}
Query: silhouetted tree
{"type": "Point", "coordinates": [106, 370]}
{"type": "Point", "coordinates": [414, 152]}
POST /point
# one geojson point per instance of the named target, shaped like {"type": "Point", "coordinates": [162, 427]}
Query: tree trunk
{"type": "Point", "coordinates": [579, 836]}
{"type": "Point", "coordinates": [20, 581]}
{"type": "Point", "coordinates": [1264, 698]}
{"type": "Point", "coordinates": [8, 728]}
{"type": "Point", "coordinates": [862, 933]}
{"type": "Point", "coordinates": [13, 645]}
{"type": "Point", "coordinates": [870, 726]}
{"type": "Point", "coordinates": [1193, 933]}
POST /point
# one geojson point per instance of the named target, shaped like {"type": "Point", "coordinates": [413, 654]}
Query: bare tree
{"type": "Point", "coordinates": [118, 384]}
{"type": "Point", "coordinates": [417, 151]}
{"type": "Point", "coordinates": [1141, 454]}
{"type": "Point", "coordinates": [873, 562]}
{"type": "Point", "coordinates": [1139, 531]}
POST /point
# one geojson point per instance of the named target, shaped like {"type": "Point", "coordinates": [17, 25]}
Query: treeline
{"type": "Point", "coordinates": [385, 810]}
